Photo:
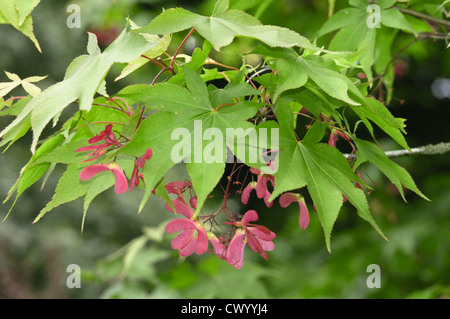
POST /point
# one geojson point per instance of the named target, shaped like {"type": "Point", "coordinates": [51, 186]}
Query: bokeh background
{"type": "Point", "coordinates": [123, 254]}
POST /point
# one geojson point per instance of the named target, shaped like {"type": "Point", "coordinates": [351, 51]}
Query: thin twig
{"type": "Point", "coordinates": [111, 107]}
{"type": "Point", "coordinates": [179, 48]}
{"type": "Point", "coordinates": [158, 75]}
{"type": "Point", "coordinates": [424, 16]}
{"type": "Point", "coordinates": [14, 98]}
{"type": "Point", "coordinates": [98, 122]}
{"type": "Point", "coordinates": [153, 60]}
{"type": "Point", "coordinates": [140, 119]}
{"type": "Point", "coordinates": [170, 68]}
{"type": "Point", "coordinates": [430, 149]}
{"type": "Point", "coordinates": [113, 99]}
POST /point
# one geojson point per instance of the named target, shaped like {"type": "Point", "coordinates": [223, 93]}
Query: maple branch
{"type": "Point", "coordinates": [154, 61]}
{"type": "Point", "coordinates": [179, 48]}
{"type": "Point", "coordinates": [172, 61]}
{"type": "Point", "coordinates": [430, 149]}
{"type": "Point", "coordinates": [424, 16]}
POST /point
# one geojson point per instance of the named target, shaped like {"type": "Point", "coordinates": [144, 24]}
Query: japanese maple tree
{"type": "Point", "coordinates": [306, 96]}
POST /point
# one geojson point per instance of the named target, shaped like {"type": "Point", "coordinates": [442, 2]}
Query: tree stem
{"type": "Point", "coordinates": [430, 149]}
{"type": "Point", "coordinates": [424, 16]}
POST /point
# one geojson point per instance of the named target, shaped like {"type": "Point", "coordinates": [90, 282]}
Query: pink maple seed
{"type": "Point", "coordinates": [265, 239]}
{"type": "Point", "coordinates": [249, 216]}
{"type": "Point", "coordinates": [92, 170]}
{"type": "Point", "coordinates": [259, 239]}
{"type": "Point", "coordinates": [121, 184]}
{"type": "Point", "coordinates": [334, 137]}
{"type": "Point", "coordinates": [332, 140]}
{"type": "Point", "coordinates": [182, 208]}
{"type": "Point", "coordinates": [254, 244]}
{"type": "Point", "coordinates": [187, 228]}
{"type": "Point", "coordinates": [266, 199]}
{"type": "Point", "coordinates": [218, 245]}
{"type": "Point", "coordinates": [193, 238]}
{"type": "Point", "coordinates": [100, 149]}
{"type": "Point", "coordinates": [261, 184]}
{"type": "Point", "coordinates": [177, 187]}
{"type": "Point", "coordinates": [167, 206]}
{"type": "Point", "coordinates": [147, 155]}
{"type": "Point", "coordinates": [87, 148]}
{"type": "Point", "coordinates": [140, 162]}
{"type": "Point", "coordinates": [235, 251]}
{"type": "Point", "coordinates": [247, 191]}
{"type": "Point", "coordinates": [134, 180]}
{"type": "Point", "coordinates": [261, 188]}
{"type": "Point", "coordinates": [343, 135]}
{"type": "Point", "coordinates": [189, 248]}
{"type": "Point", "coordinates": [202, 239]}
{"type": "Point", "coordinates": [107, 132]}
{"type": "Point", "coordinates": [287, 198]}
{"type": "Point", "coordinates": [193, 202]}
{"type": "Point", "coordinates": [257, 236]}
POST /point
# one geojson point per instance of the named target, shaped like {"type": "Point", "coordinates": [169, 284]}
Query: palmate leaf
{"type": "Point", "coordinates": [384, 40]}
{"type": "Point", "coordinates": [323, 170]}
{"type": "Point", "coordinates": [66, 154]}
{"type": "Point", "coordinates": [21, 129]}
{"type": "Point", "coordinates": [296, 70]}
{"type": "Point", "coordinates": [221, 28]}
{"type": "Point", "coordinates": [33, 90]}
{"type": "Point", "coordinates": [33, 170]}
{"type": "Point", "coordinates": [18, 14]}
{"type": "Point", "coordinates": [83, 79]}
{"type": "Point", "coordinates": [292, 75]}
{"type": "Point", "coordinates": [368, 151]}
{"type": "Point", "coordinates": [373, 110]}
{"type": "Point", "coordinates": [70, 187]}
{"type": "Point", "coordinates": [355, 35]}
{"type": "Point", "coordinates": [155, 51]}
{"type": "Point", "coordinates": [61, 148]}
{"type": "Point", "coordinates": [339, 20]}
{"type": "Point", "coordinates": [393, 18]}
{"type": "Point", "coordinates": [191, 110]}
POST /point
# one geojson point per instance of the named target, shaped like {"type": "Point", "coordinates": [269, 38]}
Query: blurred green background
{"type": "Point", "coordinates": [123, 254]}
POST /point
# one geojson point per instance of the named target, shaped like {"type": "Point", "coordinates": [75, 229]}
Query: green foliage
{"type": "Point", "coordinates": [221, 28]}
{"type": "Point", "coordinates": [83, 79]}
{"type": "Point", "coordinates": [18, 14]}
{"type": "Point", "coordinates": [195, 104]}
{"type": "Point", "coordinates": [300, 75]}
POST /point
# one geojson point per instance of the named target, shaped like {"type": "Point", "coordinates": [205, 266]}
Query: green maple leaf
{"type": "Point", "coordinates": [295, 70]}
{"type": "Point", "coordinates": [60, 148]}
{"type": "Point", "coordinates": [27, 84]}
{"type": "Point", "coordinates": [33, 170]}
{"type": "Point", "coordinates": [84, 77]}
{"type": "Point", "coordinates": [368, 151]}
{"type": "Point", "coordinates": [157, 50]}
{"type": "Point", "coordinates": [194, 109]}
{"type": "Point", "coordinates": [355, 35]}
{"type": "Point", "coordinates": [70, 187]}
{"type": "Point", "coordinates": [322, 169]}
{"type": "Point", "coordinates": [18, 14]}
{"type": "Point", "coordinates": [373, 110]}
{"type": "Point", "coordinates": [223, 26]}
